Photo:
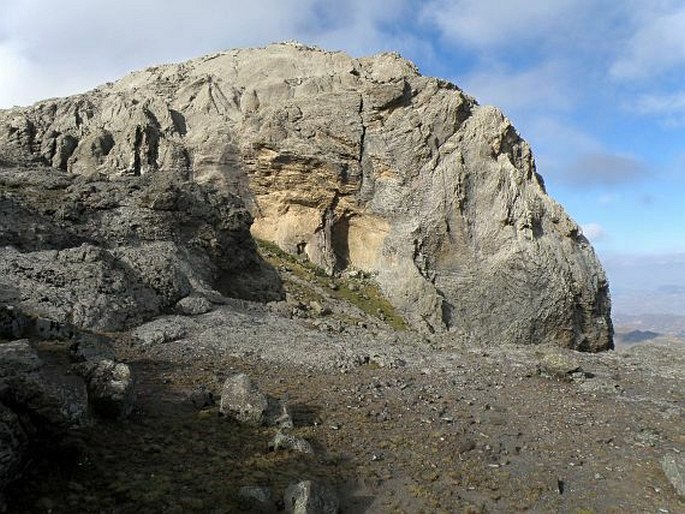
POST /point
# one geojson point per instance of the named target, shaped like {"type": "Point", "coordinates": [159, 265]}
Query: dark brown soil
{"type": "Point", "coordinates": [487, 435]}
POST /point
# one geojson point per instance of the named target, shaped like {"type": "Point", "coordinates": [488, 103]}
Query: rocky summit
{"type": "Point", "coordinates": [288, 280]}
{"type": "Point", "coordinates": [357, 164]}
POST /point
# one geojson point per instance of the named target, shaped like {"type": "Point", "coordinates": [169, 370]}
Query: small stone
{"type": "Point", "coordinates": [559, 364]}
{"type": "Point", "coordinates": [283, 441]}
{"type": "Point", "coordinates": [318, 309]}
{"type": "Point", "coordinates": [45, 504]}
{"type": "Point", "coordinates": [201, 398]}
{"type": "Point", "coordinates": [111, 387]}
{"type": "Point", "coordinates": [193, 305]}
{"type": "Point", "coordinates": [242, 400]}
{"type": "Point", "coordinates": [88, 347]}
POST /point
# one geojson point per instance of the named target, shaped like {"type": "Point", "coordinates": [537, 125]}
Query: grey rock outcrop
{"type": "Point", "coordinates": [193, 305]}
{"type": "Point", "coordinates": [357, 164]}
{"type": "Point", "coordinates": [48, 399]}
{"type": "Point", "coordinates": [107, 254]}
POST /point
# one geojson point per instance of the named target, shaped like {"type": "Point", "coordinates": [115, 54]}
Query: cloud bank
{"type": "Point", "coordinates": [605, 169]}
{"type": "Point", "coordinates": [55, 48]}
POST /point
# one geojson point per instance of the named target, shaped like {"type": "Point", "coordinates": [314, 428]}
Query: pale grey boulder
{"type": "Point", "coordinates": [674, 469]}
{"type": "Point", "coordinates": [310, 497]}
{"type": "Point", "coordinates": [356, 164]}
{"type": "Point", "coordinates": [241, 399]}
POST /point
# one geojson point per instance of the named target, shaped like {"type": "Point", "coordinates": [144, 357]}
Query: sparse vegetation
{"type": "Point", "coordinates": [361, 292]}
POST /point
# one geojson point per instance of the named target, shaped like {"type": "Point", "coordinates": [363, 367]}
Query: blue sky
{"type": "Point", "coordinates": [596, 86]}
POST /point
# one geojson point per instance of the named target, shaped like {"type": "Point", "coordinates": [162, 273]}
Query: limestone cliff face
{"type": "Point", "coordinates": [359, 163]}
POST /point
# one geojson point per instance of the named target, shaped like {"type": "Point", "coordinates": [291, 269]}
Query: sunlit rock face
{"type": "Point", "coordinates": [355, 163]}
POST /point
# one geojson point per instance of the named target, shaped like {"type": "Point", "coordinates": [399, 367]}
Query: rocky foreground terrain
{"type": "Point", "coordinates": [284, 279]}
{"type": "Point", "coordinates": [389, 420]}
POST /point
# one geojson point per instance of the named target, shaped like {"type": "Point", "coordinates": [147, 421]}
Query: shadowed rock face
{"type": "Point", "coordinates": [108, 254]}
{"type": "Point", "coordinates": [357, 163]}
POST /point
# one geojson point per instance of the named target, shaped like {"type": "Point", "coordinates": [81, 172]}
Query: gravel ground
{"type": "Point", "coordinates": [399, 422]}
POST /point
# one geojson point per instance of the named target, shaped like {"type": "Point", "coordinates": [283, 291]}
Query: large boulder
{"type": "Point", "coordinates": [13, 446]}
{"type": "Point", "coordinates": [242, 400]}
{"type": "Point", "coordinates": [354, 163]}
{"type": "Point", "coordinates": [49, 400]}
{"type": "Point", "coordinates": [39, 406]}
{"type": "Point", "coordinates": [111, 387]}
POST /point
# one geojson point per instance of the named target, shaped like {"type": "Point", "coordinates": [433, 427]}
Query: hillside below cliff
{"type": "Point", "coordinates": [356, 164]}
{"type": "Point", "coordinates": [387, 419]}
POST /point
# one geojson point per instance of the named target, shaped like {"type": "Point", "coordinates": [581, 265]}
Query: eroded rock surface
{"type": "Point", "coordinates": [355, 163]}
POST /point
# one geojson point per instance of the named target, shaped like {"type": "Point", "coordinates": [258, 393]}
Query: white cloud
{"type": "Point", "coordinates": [646, 272]}
{"type": "Point", "coordinates": [604, 169]}
{"type": "Point", "coordinates": [15, 68]}
{"type": "Point", "coordinates": [608, 199]}
{"type": "Point", "coordinates": [668, 108]}
{"type": "Point", "coordinates": [51, 48]}
{"type": "Point", "coordinates": [568, 156]}
{"type": "Point", "coordinates": [555, 143]}
{"type": "Point", "coordinates": [661, 104]}
{"type": "Point", "coordinates": [656, 47]}
{"type": "Point", "coordinates": [594, 232]}
{"type": "Point", "coordinates": [487, 23]}
{"type": "Point", "coordinates": [539, 87]}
